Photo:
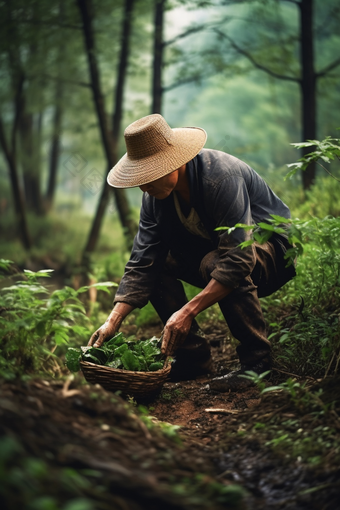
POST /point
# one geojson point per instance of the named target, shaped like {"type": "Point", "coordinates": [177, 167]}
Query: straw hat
{"type": "Point", "coordinates": [154, 150]}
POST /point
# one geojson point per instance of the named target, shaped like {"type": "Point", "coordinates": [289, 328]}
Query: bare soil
{"type": "Point", "coordinates": [128, 463]}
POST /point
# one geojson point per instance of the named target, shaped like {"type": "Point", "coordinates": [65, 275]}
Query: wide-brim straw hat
{"type": "Point", "coordinates": [154, 150]}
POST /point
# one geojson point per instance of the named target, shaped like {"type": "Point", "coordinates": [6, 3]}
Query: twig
{"type": "Point", "coordinates": [222, 411]}
{"type": "Point", "coordinates": [270, 415]}
{"type": "Point", "coordinates": [294, 375]}
{"type": "Point", "coordinates": [337, 363]}
{"type": "Point", "coordinates": [330, 364]}
{"type": "Point", "coordinates": [330, 173]}
{"type": "Point", "coordinates": [255, 63]}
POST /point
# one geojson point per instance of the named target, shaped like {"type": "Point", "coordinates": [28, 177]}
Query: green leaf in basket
{"type": "Point", "coordinates": [115, 341]}
{"type": "Point", "coordinates": [72, 359]}
{"type": "Point", "coordinates": [158, 365]}
{"type": "Point", "coordinates": [120, 350]}
{"type": "Point", "coordinates": [130, 361]}
{"type": "Point", "coordinates": [95, 355]}
{"type": "Point", "coordinates": [143, 363]}
{"type": "Point", "coordinates": [136, 347]}
{"type": "Point", "coordinates": [117, 363]}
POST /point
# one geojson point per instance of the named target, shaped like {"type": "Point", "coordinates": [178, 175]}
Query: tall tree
{"type": "Point", "coordinates": [55, 145]}
{"type": "Point", "coordinates": [109, 140]}
{"type": "Point", "coordinates": [57, 118]}
{"type": "Point", "coordinates": [30, 128]}
{"type": "Point", "coordinates": [158, 48]}
{"type": "Point", "coordinates": [9, 150]}
{"type": "Point", "coordinates": [14, 101]}
{"type": "Point", "coordinates": [271, 57]}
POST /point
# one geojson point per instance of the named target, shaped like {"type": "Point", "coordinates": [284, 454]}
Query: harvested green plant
{"type": "Point", "coordinates": [119, 352]}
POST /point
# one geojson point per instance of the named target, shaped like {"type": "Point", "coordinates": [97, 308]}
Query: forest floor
{"type": "Point", "coordinates": [77, 444]}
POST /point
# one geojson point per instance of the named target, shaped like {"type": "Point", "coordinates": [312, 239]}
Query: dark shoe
{"type": "Point", "coordinates": [192, 359]}
{"type": "Point", "coordinates": [233, 381]}
{"type": "Point", "coordinates": [187, 372]}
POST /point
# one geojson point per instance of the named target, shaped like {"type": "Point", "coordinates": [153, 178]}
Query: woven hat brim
{"type": "Point", "coordinates": [186, 144]}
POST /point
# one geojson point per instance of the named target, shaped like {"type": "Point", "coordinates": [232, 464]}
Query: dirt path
{"type": "Point", "coordinates": [73, 442]}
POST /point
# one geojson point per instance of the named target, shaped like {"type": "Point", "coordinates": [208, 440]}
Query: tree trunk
{"type": "Point", "coordinates": [308, 86]}
{"type": "Point", "coordinates": [121, 74]}
{"type": "Point", "coordinates": [19, 206]}
{"type": "Point", "coordinates": [30, 160]}
{"type": "Point", "coordinates": [55, 147]}
{"type": "Point", "coordinates": [57, 119]}
{"type": "Point", "coordinates": [158, 48]}
{"type": "Point", "coordinates": [108, 144]}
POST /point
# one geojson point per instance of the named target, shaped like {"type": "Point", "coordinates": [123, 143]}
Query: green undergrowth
{"type": "Point", "coordinates": [59, 238]}
{"type": "Point", "coordinates": [299, 421]}
{"type": "Point", "coordinates": [36, 324]}
{"type": "Point", "coordinates": [303, 316]}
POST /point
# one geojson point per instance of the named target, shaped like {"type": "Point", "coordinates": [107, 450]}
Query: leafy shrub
{"type": "Point", "coordinates": [34, 322]}
{"type": "Point", "coordinates": [303, 316]}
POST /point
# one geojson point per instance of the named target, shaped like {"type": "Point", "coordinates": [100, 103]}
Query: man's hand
{"type": "Point", "coordinates": [111, 325]}
{"type": "Point", "coordinates": [178, 326]}
{"type": "Point", "coordinates": [107, 330]}
{"type": "Point", "coordinates": [176, 331]}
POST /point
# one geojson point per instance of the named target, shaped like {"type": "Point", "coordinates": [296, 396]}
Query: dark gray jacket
{"type": "Point", "coordinates": [224, 191]}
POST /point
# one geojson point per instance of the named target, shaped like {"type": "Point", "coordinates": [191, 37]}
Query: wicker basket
{"type": "Point", "coordinates": [136, 384]}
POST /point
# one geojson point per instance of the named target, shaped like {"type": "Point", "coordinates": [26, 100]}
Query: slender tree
{"type": "Point", "coordinates": [9, 150]}
{"type": "Point", "coordinates": [109, 139]}
{"type": "Point", "coordinates": [307, 78]}
{"type": "Point", "coordinates": [158, 49]}
{"type": "Point", "coordinates": [55, 145]}
{"type": "Point", "coordinates": [30, 127]}
{"type": "Point", "coordinates": [57, 120]}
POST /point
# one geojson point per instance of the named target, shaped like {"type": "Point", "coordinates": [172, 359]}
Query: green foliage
{"type": "Point", "coordinates": [30, 483]}
{"type": "Point", "coordinates": [306, 340]}
{"type": "Point", "coordinates": [310, 446]}
{"type": "Point", "coordinates": [120, 352]}
{"type": "Point", "coordinates": [230, 496]}
{"type": "Point", "coordinates": [301, 396]}
{"type": "Point", "coordinates": [258, 379]}
{"type": "Point", "coordinates": [152, 423]}
{"type": "Point", "coordinates": [321, 200]}
{"type": "Point", "coordinates": [328, 150]}
{"type": "Point", "coordinates": [146, 315]}
{"type": "Point", "coordinates": [34, 322]}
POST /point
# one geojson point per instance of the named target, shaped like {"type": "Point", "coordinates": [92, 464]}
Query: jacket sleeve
{"type": "Point", "coordinates": [231, 205]}
{"type": "Point", "coordinates": [146, 260]}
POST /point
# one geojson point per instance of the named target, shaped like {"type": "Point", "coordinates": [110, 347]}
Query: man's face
{"type": "Point", "coordinates": [161, 188]}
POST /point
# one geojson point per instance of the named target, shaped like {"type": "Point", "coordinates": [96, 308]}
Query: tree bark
{"type": "Point", "coordinates": [109, 142]}
{"type": "Point", "coordinates": [9, 153]}
{"type": "Point", "coordinates": [55, 147]}
{"type": "Point", "coordinates": [308, 85]}
{"type": "Point", "coordinates": [57, 119]}
{"type": "Point", "coordinates": [121, 73]}
{"type": "Point", "coordinates": [30, 160]}
{"type": "Point", "coordinates": [158, 49]}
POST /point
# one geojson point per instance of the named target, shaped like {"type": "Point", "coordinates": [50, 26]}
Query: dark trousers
{"type": "Point", "coordinates": [241, 308]}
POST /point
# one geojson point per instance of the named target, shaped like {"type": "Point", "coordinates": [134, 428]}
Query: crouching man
{"type": "Point", "coordinates": [188, 192]}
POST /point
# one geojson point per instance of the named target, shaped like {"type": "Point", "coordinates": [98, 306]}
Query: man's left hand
{"type": "Point", "coordinates": [176, 331]}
